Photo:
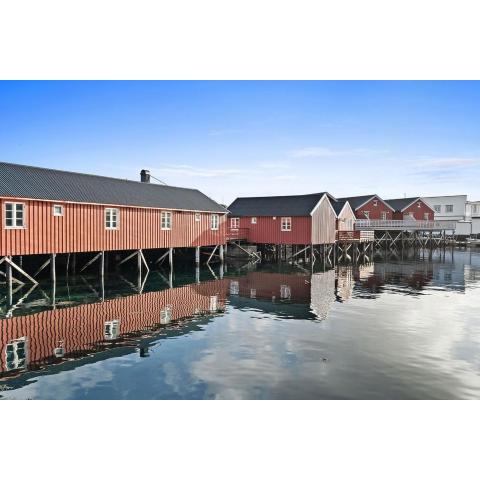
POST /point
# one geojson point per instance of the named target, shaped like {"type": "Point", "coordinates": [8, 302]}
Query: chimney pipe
{"type": "Point", "coordinates": [145, 176]}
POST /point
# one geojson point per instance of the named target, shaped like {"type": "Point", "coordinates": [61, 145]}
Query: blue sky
{"type": "Point", "coordinates": [233, 139]}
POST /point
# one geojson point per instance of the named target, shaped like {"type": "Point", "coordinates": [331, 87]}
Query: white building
{"type": "Point", "coordinates": [452, 208]}
{"type": "Point", "coordinates": [473, 214]}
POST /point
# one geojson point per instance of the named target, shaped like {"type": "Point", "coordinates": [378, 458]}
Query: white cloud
{"type": "Point", "coordinates": [323, 152]}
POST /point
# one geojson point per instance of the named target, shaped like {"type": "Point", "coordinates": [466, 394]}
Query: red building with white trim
{"type": "Point", "coordinates": [370, 207]}
{"type": "Point", "coordinates": [413, 208]}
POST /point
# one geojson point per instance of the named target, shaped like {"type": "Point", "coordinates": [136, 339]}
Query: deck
{"type": "Point", "coordinates": [403, 225]}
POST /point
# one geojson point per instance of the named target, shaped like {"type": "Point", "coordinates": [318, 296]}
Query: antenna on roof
{"type": "Point", "coordinates": [158, 180]}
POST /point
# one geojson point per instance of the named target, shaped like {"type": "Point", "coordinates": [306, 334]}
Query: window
{"type": "Point", "coordinates": [58, 210]}
{"type": "Point", "coordinates": [449, 208]}
{"type": "Point", "coordinates": [384, 215]}
{"type": "Point", "coordinates": [112, 218]}
{"type": "Point", "coordinates": [14, 215]}
{"type": "Point", "coordinates": [285, 292]}
{"type": "Point", "coordinates": [166, 220]}
{"type": "Point", "coordinates": [366, 213]}
{"type": "Point", "coordinates": [213, 303]}
{"type": "Point", "coordinates": [419, 204]}
{"type": "Point", "coordinates": [16, 354]}
{"type": "Point", "coordinates": [111, 329]}
{"type": "Point", "coordinates": [375, 203]}
{"type": "Point", "coordinates": [214, 222]}
{"type": "Point", "coordinates": [286, 224]}
{"type": "Point", "coordinates": [234, 223]}
{"type": "Point", "coordinates": [253, 293]}
{"type": "Point", "coordinates": [166, 315]}
{"type": "Point", "coordinates": [437, 208]}
{"type": "Point", "coordinates": [426, 216]}
{"type": "Point", "coordinates": [197, 217]}
{"type": "Point", "coordinates": [254, 220]}
{"type": "Point", "coordinates": [234, 287]}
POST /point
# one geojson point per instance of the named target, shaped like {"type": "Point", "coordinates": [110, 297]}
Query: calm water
{"type": "Point", "coordinates": [396, 329]}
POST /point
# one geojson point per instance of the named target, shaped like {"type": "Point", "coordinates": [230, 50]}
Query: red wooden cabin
{"type": "Point", "coordinates": [285, 220]}
{"type": "Point", "coordinates": [370, 207]}
{"type": "Point", "coordinates": [46, 211]}
{"type": "Point", "coordinates": [413, 208]}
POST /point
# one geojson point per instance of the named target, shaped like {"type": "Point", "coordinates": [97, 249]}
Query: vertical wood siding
{"type": "Point", "coordinates": [343, 221]}
{"type": "Point", "coordinates": [375, 211]}
{"type": "Point", "coordinates": [82, 229]}
{"type": "Point", "coordinates": [417, 212]}
{"type": "Point", "coordinates": [268, 230]}
{"type": "Point", "coordinates": [81, 328]}
{"type": "Point", "coordinates": [323, 224]}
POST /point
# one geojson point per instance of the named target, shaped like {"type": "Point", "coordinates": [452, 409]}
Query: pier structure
{"type": "Point", "coordinates": [77, 222]}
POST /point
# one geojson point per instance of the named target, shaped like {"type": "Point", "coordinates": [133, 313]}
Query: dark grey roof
{"type": "Point", "coordinates": [356, 202]}
{"type": "Point", "coordinates": [398, 204]}
{"type": "Point", "coordinates": [45, 184]}
{"type": "Point", "coordinates": [338, 206]}
{"type": "Point", "coordinates": [291, 205]}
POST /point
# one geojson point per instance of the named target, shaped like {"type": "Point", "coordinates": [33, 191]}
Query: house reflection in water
{"type": "Point", "coordinates": [50, 336]}
{"type": "Point", "coordinates": [300, 295]}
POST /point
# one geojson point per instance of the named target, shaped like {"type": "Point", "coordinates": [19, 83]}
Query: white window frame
{"type": "Point", "coordinates": [437, 208]}
{"type": "Point", "coordinates": [198, 217]}
{"type": "Point", "coordinates": [12, 360]}
{"type": "Point", "coordinates": [286, 224]}
{"type": "Point", "coordinates": [166, 220]}
{"type": "Point", "coordinates": [55, 214]}
{"type": "Point", "coordinates": [375, 203]}
{"type": "Point", "coordinates": [383, 215]}
{"type": "Point", "coordinates": [448, 208]}
{"type": "Point", "coordinates": [14, 215]}
{"type": "Point", "coordinates": [166, 315]}
{"type": "Point", "coordinates": [112, 225]}
{"type": "Point", "coordinates": [254, 220]}
{"type": "Point", "coordinates": [366, 213]}
{"type": "Point", "coordinates": [235, 222]}
{"type": "Point", "coordinates": [426, 216]}
{"type": "Point", "coordinates": [111, 329]}
{"type": "Point", "coordinates": [214, 221]}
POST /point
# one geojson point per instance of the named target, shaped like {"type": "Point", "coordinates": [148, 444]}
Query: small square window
{"type": "Point", "coordinates": [58, 210]}
{"type": "Point", "coordinates": [286, 224]}
{"type": "Point", "coordinates": [254, 220]}
{"type": "Point", "coordinates": [112, 218]}
{"type": "Point", "coordinates": [375, 203]}
{"type": "Point", "coordinates": [197, 217]}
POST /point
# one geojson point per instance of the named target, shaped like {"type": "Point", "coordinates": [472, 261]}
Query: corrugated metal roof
{"type": "Point", "coordinates": [398, 204]}
{"type": "Point", "coordinates": [291, 205]}
{"type": "Point", "coordinates": [24, 181]}
{"type": "Point", "coordinates": [356, 202]}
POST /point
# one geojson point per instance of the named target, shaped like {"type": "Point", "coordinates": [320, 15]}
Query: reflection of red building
{"type": "Point", "coordinates": [268, 286]}
{"type": "Point", "coordinates": [33, 339]}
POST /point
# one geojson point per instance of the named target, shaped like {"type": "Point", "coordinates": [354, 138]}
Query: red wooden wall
{"type": "Point", "coordinates": [417, 211]}
{"type": "Point", "coordinates": [81, 327]}
{"type": "Point", "coordinates": [82, 229]}
{"type": "Point", "coordinates": [268, 230]}
{"type": "Point", "coordinates": [375, 211]}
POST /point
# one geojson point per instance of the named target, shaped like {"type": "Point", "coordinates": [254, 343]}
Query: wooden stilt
{"type": "Point", "coordinates": [8, 273]}
{"type": "Point", "coordinates": [221, 254]}
{"type": "Point", "coordinates": [197, 255]}
{"type": "Point", "coordinates": [53, 270]}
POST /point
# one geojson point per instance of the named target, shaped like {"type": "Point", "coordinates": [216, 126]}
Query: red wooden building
{"type": "Point", "coordinates": [46, 211]}
{"type": "Point", "coordinates": [413, 208]}
{"type": "Point", "coordinates": [370, 207]}
{"type": "Point", "coordinates": [285, 220]}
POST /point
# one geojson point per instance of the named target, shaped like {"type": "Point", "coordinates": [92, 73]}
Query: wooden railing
{"type": "Point", "coordinates": [355, 235]}
{"type": "Point", "coordinates": [237, 233]}
{"type": "Point", "coordinates": [403, 225]}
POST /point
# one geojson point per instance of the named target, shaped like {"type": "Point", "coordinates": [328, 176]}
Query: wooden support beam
{"type": "Point", "coordinates": [90, 262]}
{"type": "Point", "coordinates": [211, 255]}
{"type": "Point", "coordinates": [23, 272]}
{"type": "Point", "coordinates": [144, 261]}
{"type": "Point", "coordinates": [162, 257]}
{"type": "Point", "coordinates": [42, 267]}
{"type": "Point", "coordinates": [53, 272]}
{"type": "Point", "coordinates": [127, 258]}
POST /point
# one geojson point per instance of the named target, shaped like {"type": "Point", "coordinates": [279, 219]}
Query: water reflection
{"type": "Point", "coordinates": [223, 321]}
